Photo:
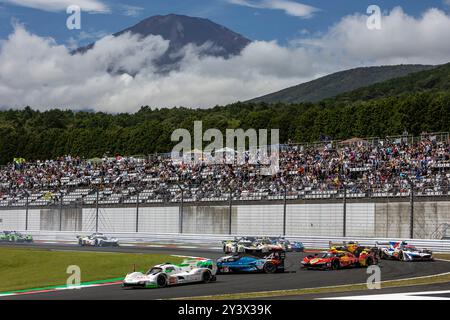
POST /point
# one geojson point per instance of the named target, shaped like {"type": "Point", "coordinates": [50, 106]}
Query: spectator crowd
{"type": "Point", "coordinates": [360, 167]}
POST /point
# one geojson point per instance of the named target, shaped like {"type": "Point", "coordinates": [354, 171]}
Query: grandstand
{"type": "Point", "coordinates": [356, 168]}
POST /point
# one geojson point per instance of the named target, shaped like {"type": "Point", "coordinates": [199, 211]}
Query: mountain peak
{"type": "Point", "coordinates": [182, 30]}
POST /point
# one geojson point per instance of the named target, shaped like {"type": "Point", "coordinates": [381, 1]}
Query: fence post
{"type": "Point", "coordinates": [284, 210]}
{"type": "Point", "coordinates": [26, 213]}
{"type": "Point", "coordinates": [137, 213]}
{"type": "Point", "coordinates": [344, 231]}
{"type": "Point", "coordinates": [230, 212]}
{"type": "Point", "coordinates": [411, 204]}
{"type": "Point", "coordinates": [60, 212]}
{"type": "Point", "coordinates": [96, 211]}
{"type": "Point", "coordinates": [181, 211]}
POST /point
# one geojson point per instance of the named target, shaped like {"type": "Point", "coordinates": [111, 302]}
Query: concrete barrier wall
{"type": "Point", "coordinates": [110, 220]}
{"type": "Point", "coordinates": [12, 219]}
{"type": "Point", "coordinates": [69, 219]}
{"type": "Point", "coordinates": [159, 219]}
{"type": "Point", "coordinates": [393, 219]}
{"type": "Point", "coordinates": [360, 220]}
{"type": "Point", "coordinates": [206, 219]}
{"type": "Point", "coordinates": [259, 220]}
{"type": "Point", "coordinates": [314, 219]}
{"type": "Point", "coordinates": [363, 219]}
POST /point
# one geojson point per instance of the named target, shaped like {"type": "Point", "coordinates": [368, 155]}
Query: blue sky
{"type": "Point", "coordinates": [254, 21]}
{"type": "Point", "coordinates": [313, 39]}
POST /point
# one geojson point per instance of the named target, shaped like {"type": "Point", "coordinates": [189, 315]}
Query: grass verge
{"type": "Point", "coordinates": [23, 268]}
{"type": "Point", "coordinates": [443, 256]}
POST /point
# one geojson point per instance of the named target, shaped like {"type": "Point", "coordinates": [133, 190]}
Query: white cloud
{"type": "Point", "coordinates": [130, 11]}
{"type": "Point", "coordinates": [36, 71]}
{"type": "Point", "coordinates": [288, 6]}
{"type": "Point", "coordinates": [402, 39]}
{"type": "Point", "coordinates": [85, 37]}
{"type": "Point", "coordinates": [61, 5]}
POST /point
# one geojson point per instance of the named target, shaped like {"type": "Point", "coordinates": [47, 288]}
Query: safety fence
{"type": "Point", "coordinates": [215, 241]}
{"type": "Point", "coordinates": [420, 219]}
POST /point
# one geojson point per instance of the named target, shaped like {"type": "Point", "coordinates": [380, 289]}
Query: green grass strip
{"type": "Point", "coordinates": [24, 268]}
{"type": "Point", "coordinates": [63, 286]}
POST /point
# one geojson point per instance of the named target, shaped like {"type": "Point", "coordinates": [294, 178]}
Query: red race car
{"type": "Point", "coordinates": [334, 259]}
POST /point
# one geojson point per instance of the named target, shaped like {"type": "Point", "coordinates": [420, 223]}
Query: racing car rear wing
{"type": "Point", "coordinates": [198, 263]}
{"type": "Point", "coordinates": [382, 244]}
{"type": "Point", "coordinates": [342, 244]}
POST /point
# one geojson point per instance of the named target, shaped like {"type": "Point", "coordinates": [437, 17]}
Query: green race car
{"type": "Point", "coordinates": [13, 236]}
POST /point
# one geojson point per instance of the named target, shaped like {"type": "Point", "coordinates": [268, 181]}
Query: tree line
{"type": "Point", "coordinates": [33, 134]}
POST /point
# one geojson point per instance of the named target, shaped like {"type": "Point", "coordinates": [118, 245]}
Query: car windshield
{"type": "Point", "coordinates": [328, 255]}
{"type": "Point", "coordinates": [154, 270]}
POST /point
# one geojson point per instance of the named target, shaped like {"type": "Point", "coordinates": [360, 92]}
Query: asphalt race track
{"type": "Point", "coordinates": [293, 278]}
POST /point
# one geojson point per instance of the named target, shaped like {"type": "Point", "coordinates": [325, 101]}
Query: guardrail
{"type": "Point", "coordinates": [309, 242]}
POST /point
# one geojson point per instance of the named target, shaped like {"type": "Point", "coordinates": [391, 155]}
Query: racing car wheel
{"type": "Point", "coordinates": [335, 264]}
{"type": "Point", "coordinates": [206, 277]}
{"type": "Point", "coordinates": [269, 267]}
{"type": "Point", "coordinates": [161, 281]}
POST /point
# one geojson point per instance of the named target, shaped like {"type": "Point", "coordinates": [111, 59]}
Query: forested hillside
{"type": "Point", "coordinates": [44, 135]}
{"type": "Point", "coordinates": [434, 80]}
{"type": "Point", "coordinates": [339, 83]}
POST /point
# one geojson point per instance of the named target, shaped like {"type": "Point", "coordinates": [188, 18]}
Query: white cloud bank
{"type": "Point", "coordinates": [61, 5]}
{"type": "Point", "coordinates": [36, 71]}
{"type": "Point", "coordinates": [288, 6]}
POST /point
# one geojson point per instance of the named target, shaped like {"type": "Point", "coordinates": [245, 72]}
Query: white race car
{"type": "Point", "coordinates": [97, 240]}
{"type": "Point", "coordinates": [400, 250]}
{"type": "Point", "coordinates": [168, 274]}
{"type": "Point", "coordinates": [250, 245]}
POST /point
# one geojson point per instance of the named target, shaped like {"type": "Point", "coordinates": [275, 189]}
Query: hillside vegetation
{"type": "Point", "coordinates": [339, 83]}
{"type": "Point", "coordinates": [434, 80]}
{"type": "Point", "coordinates": [416, 103]}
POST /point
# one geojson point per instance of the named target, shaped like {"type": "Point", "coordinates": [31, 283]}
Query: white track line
{"type": "Point", "coordinates": [420, 295]}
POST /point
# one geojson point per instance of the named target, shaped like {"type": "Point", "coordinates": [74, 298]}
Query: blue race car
{"type": "Point", "coordinates": [297, 246]}
{"type": "Point", "coordinates": [288, 246]}
{"type": "Point", "coordinates": [272, 263]}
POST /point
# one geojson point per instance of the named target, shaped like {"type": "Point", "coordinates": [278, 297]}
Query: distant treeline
{"type": "Point", "coordinates": [46, 135]}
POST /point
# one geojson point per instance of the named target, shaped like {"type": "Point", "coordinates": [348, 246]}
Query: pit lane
{"type": "Point", "coordinates": [293, 278]}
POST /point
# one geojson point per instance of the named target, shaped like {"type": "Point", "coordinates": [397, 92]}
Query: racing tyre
{"type": "Point", "coordinates": [80, 242]}
{"type": "Point", "coordinates": [335, 265]}
{"type": "Point", "coordinates": [381, 254]}
{"type": "Point", "coordinates": [400, 256]}
{"type": "Point", "coordinates": [96, 243]}
{"type": "Point", "coordinates": [206, 277]}
{"type": "Point", "coordinates": [161, 281]}
{"type": "Point", "coordinates": [369, 261]}
{"type": "Point", "coordinates": [269, 267]}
